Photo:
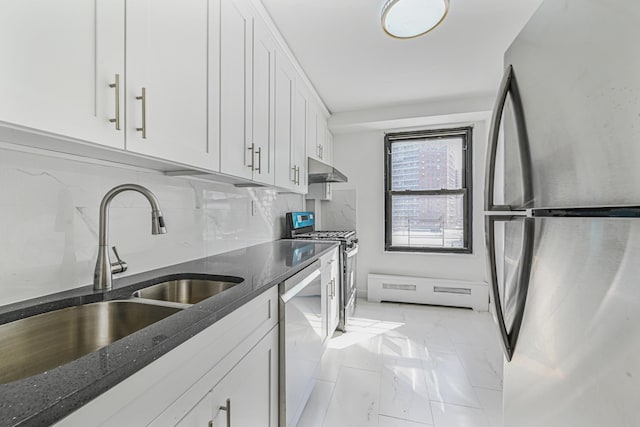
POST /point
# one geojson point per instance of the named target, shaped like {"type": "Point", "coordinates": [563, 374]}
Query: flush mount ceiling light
{"type": "Point", "coordinates": [405, 19]}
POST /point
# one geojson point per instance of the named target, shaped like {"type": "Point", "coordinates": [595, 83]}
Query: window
{"type": "Point", "coordinates": [428, 191]}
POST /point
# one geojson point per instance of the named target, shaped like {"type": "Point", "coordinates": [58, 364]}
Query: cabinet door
{"type": "Point", "coordinates": [313, 149]}
{"type": "Point", "coordinates": [263, 103]}
{"type": "Point", "coordinates": [248, 395]}
{"type": "Point", "coordinates": [166, 92]}
{"type": "Point", "coordinates": [300, 138]}
{"type": "Point", "coordinates": [328, 151]}
{"type": "Point", "coordinates": [236, 33]}
{"type": "Point", "coordinates": [284, 92]}
{"type": "Point", "coordinates": [330, 276]}
{"type": "Point", "coordinates": [200, 415]}
{"type": "Point", "coordinates": [321, 137]}
{"type": "Point", "coordinates": [58, 60]}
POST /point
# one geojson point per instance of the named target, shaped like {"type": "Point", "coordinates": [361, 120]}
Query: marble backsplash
{"type": "Point", "coordinates": [49, 220]}
{"type": "Point", "coordinates": [340, 212]}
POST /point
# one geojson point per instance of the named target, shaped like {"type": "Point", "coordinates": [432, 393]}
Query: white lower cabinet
{"type": "Point", "coordinates": [235, 360]}
{"type": "Point", "coordinates": [248, 395]}
{"type": "Point", "coordinates": [199, 415]}
{"type": "Point", "coordinates": [331, 279]}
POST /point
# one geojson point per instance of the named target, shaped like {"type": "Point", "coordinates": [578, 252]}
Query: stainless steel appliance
{"type": "Point", "coordinates": [563, 229]}
{"type": "Point", "coordinates": [301, 225]}
{"type": "Point", "coordinates": [301, 340]}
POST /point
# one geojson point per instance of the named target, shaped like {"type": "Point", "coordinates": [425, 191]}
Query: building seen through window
{"type": "Point", "coordinates": [428, 190]}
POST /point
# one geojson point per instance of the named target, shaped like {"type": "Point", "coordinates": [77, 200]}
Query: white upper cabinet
{"type": "Point", "coordinates": [247, 79]}
{"type": "Point", "coordinates": [208, 84]}
{"type": "Point", "coordinates": [321, 138]}
{"type": "Point", "coordinates": [316, 132]}
{"type": "Point", "coordinates": [166, 76]}
{"type": "Point", "coordinates": [313, 147]}
{"type": "Point", "coordinates": [300, 111]}
{"type": "Point", "coordinates": [58, 62]}
{"type": "Point", "coordinates": [236, 33]}
{"type": "Point", "coordinates": [263, 131]}
{"type": "Point", "coordinates": [285, 168]}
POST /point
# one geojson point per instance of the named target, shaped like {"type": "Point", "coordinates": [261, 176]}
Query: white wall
{"type": "Point", "coordinates": [360, 155]}
{"type": "Point", "coordinates": [49, 220]}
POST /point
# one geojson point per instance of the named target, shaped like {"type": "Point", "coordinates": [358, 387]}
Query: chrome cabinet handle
{"type": "Point", "coordinates": [143, 98]}
{"type": "Point", "coordinates": [321, 151]}
{"type": "Point", "coordinates": [333, 288]}
{"type": "Point", "coordinates": [509, 338]}
{"type": "Point", "coordinates": [298, 175]}
{"type": "Point", "coordinates": [508, 85]}
{"type": "Point", "coordinates": [116, 86]}
{"type": "Point", "coordinates": [293, 169]}
{"type": "Point", "coordinates": [259, 153]}
{"type": "Point", "coordinates": [210, 424]}
{"type": "Point", "coordinates": [252, 154]}
{"type": "Point", "coordinates": [227, 408]}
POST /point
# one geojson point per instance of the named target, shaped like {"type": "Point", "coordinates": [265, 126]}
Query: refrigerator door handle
{"type": "Point", "coordinates": [509, 338]}
{"type": "Point", "coordinates": [508, 86]}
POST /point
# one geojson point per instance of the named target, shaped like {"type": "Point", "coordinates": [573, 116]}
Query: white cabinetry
{"type": "Point", "coordinates": [247, 97]}
{"type": "Point", "coordinates": [206, 84]}
{"type": "Point", "coordinates": [58, 60]}
{"type": "Point", "coordinates": [263, 134]}
{"type": "Point", "coordinates": [316, 133]}
{"type": "Point", "coordinates": [166, 80]}
{"type": "Point", "coordinates": [248, 395]}
{"type": "Point", "coordinates": [199, 415]}
{"type": "Point", "coordinates": [235, 358]}
{"type": "Point", "coordinates": [299, 105]}
{"type": "Point", "coordinates": [236, 33]}
{"type": "Point", "coordinates": [290, 127]}
{"type": "Point", "coordinates": [331, 281]}
{"type": "Point", "coordinates": [328, 152]}
{"type": "Point", "coordinates": [285, 157]}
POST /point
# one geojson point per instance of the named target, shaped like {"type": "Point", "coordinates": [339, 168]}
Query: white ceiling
{"type": "Point", "coordinates": [354, 65]}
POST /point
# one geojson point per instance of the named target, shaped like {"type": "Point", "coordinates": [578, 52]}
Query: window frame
{"type": "Point", "coordinates": [466, 188]}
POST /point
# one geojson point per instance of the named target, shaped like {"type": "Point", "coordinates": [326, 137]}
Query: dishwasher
{"type": "Point", "coordinates": [301, 340]}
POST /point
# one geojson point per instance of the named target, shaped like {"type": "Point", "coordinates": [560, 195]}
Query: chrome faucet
{"type": "Point", "coordinates": [102, 277]}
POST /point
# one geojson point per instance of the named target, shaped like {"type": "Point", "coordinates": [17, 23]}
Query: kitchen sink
{"type": "Point", "coordinates": [187, 291]}
{"type": "Point", "coordinates": [36, 344]}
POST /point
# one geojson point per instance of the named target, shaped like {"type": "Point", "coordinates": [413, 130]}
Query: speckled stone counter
{"type": "Point", "coordinates": [45, 398]}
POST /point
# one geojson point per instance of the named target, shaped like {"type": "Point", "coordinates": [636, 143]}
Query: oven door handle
{"type": "Point", "coordinates": [298, 287]}
{"type": "Point", "coordinates": [352, 252]}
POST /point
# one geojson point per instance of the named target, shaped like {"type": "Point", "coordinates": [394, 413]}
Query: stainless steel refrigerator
{"type": "Point", "coordinates": [563, 222]}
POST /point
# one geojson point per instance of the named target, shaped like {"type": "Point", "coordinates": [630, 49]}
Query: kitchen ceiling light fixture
{"type": "Point", "coordinates": [405, 19]}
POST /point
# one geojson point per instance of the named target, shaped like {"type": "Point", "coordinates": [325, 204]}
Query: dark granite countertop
{"type": "Point", "coordinates": [48, 397]}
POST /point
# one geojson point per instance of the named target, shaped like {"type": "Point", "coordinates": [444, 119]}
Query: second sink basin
{"type": "Point", "coordinates": [187, 291]}
{"type": "Point", "coordinates": [36, 344]}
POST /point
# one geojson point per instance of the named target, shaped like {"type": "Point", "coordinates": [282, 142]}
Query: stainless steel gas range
{"type": "Point", "coordinates": [301, 225]}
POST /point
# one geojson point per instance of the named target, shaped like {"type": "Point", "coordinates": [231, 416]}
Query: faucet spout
{"type": "Point", "coordinates": [103, 274]}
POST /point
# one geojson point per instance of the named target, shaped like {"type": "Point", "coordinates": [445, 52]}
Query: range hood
{"type": "Point", "coordinates": [320, 172]}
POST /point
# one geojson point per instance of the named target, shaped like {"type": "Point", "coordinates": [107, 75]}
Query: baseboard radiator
{"type": "Point", "coordinates": [422, 290]}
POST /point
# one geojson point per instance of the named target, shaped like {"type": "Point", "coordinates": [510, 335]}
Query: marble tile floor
{"type": "Point", "coordinates": [405, 365]}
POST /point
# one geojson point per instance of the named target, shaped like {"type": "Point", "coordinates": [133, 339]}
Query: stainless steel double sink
{"type": "Point", "coordinates": [36, 344]}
